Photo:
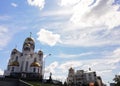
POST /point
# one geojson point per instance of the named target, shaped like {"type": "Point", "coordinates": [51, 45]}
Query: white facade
{"type": "Point", "coordinates": [90, 77]}
{"type": "Point", "coordinates": [71, 76]}
{"type": "Point", "coordinates": [80, 77]}
{"type": "Point", "coordinates": [26, 63]}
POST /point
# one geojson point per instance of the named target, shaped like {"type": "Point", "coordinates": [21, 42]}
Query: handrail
{"type": "Point", "coordinates": [25, 82]}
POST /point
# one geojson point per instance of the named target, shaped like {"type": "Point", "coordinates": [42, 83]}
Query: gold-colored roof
{"type": "Point", "coordinates": [29, 39]}
{"type": "Point", "coordinates": [15, 49]}
{"type": "Point", "coordinates": [27, 44]}
{"type": "Point", "coordinates": [40, 52]}
{"type": "Point", "coordinates": [35, 64]}
{"type": "Point", "coordinates": [15, 63]}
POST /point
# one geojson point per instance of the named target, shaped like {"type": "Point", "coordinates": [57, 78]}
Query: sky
{"type": "Point", "coordinates": [81, 34]}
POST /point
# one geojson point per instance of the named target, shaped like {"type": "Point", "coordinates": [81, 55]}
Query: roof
{"type": "Point", "coordinates": [35, 64]}
{"type": "Point", "coordinates": [14, 63]}
{"type": "Point", "coordinates": [29, 39]}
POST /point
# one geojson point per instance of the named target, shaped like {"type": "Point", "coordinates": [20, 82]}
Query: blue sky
{"type": "Point", "coordinates": [81, 34]}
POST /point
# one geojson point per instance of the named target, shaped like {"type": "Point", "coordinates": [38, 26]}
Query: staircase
{"type": "Point", "coordinates": [13, 82]}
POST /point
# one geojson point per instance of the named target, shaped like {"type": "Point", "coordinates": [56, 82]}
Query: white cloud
{"type": "Point", "coordinates": [37, 3]}
{"type": "Point", "coordinates": [68, 2]}
{"type": "Point", "coordinates": [4, 36]}
{"type": "Point", "coordinates": [103, 66]}
{"type": "Point", "coordinates": [62, 55]}
{"type": "Point", "coordinates": [59, 77]}
{"type": "Point", "coordinates": [47, 37]}
{"type": "Point", "coordinates": [51, 67]}
{"type": "Point", "coordinates": [101, 13]}
{"type": "Point", "coordinates": [60, 12]}
{"type": "Point", "coordinates": [119, 73]}
{"type": "Point", "coordinates": [66, 65]}
{"type": "Point", "coordinates": [14, 4]}
{"type": "Point", "coordinates": [92, 23]}
{"type": "Point", "coordinates": [1, 72]}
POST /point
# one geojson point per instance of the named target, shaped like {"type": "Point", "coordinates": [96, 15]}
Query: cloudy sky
{"type": "Point", "coordinates": [81, 34]}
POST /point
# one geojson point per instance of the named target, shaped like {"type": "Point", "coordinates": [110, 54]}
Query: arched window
{"type": "Point", "coordinates": [16, 58]}
{"type": "Point", "coordinates": [35, 59]}
{"type": "Point", "coordinates": [34, 69]}
{"type": "Point", "coordinates": [13, 52]}
{"type": "Point", "coordinates": [27, 48]}
{"type": "Point", "coordinates": [26, 66]}
{"type": "Point", "coordinates": [38, 70]}
{"type": "Point", "coordinates": [12, 69]}
{"type": "Point", "coordinates": [8, 68]}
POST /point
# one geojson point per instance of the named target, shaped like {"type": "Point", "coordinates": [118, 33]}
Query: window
{"type": "Point", "coordinates": [35, 59]}
{"type": "Point", "coordinates": [8, 68]}
{"type": "Point", "coordinates": [12, 69]}
{"type": "Point", "coordinates": [34, 69]}
{"type": "Point", "coordinates": [26, 66]}
{"type": "Point", "coordinates": [13, 53]}
{"type": "Point", "coordinates": [38, 70]}
{"type": "Point", "coordinates": [16, 58]}
{"type": "Point", "coordinates": [27, 48]}
{"type": "Point", "coordinates": [21, 54]}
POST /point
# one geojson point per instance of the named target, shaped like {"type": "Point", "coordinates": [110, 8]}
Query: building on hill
{"type": "Point", "coordinates": [25, 64]}
{"type": "Point", "coordinates": [83, 78]}
{"type": "Point", "coordinates": [71, 76]}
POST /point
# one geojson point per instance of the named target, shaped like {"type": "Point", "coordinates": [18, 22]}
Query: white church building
{"type": "Point", "coordinates": [25, 64]}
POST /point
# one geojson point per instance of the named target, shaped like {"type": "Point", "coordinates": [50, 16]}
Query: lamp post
{"type": "Point", "coordinates": [44, 65]}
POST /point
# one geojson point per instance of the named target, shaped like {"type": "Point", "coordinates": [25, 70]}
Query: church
{"type": "Point", "coordinates": [25, 64]}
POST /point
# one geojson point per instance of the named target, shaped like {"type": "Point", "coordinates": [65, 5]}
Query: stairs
{"type": "Point", "coordinates": [9, 82]}
{"type": "Point", "coordinates": [13, 82]}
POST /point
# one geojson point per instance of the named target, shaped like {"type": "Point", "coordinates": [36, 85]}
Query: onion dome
{"type": "Point", "coordinates": [26, 44]}
{"type": "Point", "coordinates": [29, 43]}
{"type": "Point", "coordinates": [71, 69]}
{"type": "Point", "coordinates": [40, 52]}
{"type": "Point", "coordinates": [29, 39]}
{"type": "Point", "coordinates": [15, 63]}
{"type": "Point", "coordinates": [35, 64]}
{"type": "Point", "coordinates": [14, 51]}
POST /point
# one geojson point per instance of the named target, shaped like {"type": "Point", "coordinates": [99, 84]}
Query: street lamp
{"type": "Point", "coordinates": [44, 65]}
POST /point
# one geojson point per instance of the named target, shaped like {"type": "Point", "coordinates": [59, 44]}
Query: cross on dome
{"type": "Point", "coordinates": [30, 34]}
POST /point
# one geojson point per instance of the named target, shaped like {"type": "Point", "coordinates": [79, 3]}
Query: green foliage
{"type": "Point", "coordinates": [117, 80]}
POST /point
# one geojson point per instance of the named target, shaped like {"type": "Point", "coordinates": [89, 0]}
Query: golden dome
{"type": "Point", "coordinates": [15, 63]}
{"type": "Point", "coordinates": [27, 44]}
{"type": "Point", "coordinates": [15, 49]}
{"type": "Point", "coordinates": [35, 64]}
{"type": "Point", "coordinates": [40, 52]}
{"type": "Point", "coordinates": [29, 39]}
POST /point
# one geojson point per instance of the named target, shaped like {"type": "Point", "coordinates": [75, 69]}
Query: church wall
{"type": "Point", "coordinates": [24, 59]}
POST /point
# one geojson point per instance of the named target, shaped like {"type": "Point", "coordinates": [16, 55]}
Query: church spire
{"type": "Point", "coordinates": [30, 34]}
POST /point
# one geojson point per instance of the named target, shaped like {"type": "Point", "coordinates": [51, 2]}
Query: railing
{"type": "Point", "coordinates": [23, 83]}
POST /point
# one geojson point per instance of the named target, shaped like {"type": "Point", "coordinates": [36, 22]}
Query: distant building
{"type": "Point", "coordinates": [99, 81]}
{"type": "Point", "coordinates": [112, 84]}
{"type": "Point", "coordinates": [82, 78]}
{"type": "Point", "coordinates": [90, 77]}
{"type": "Point", "coordinates": [25, 64]}
{"type": "Point", "coordinates": [79, 77]}
{"type": "Point", "coordinates": [71, 77]}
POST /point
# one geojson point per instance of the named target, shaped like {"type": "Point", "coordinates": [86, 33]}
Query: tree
{"type": "Point", "coordinates": [117, 80]}
{"type": "Point", "coordinates": [65, 83]}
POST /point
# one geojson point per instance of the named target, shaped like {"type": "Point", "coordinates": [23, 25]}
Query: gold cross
{"type": "Point", "coordinates": [30, 34]}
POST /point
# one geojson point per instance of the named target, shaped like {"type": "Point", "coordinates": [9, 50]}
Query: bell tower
{"type": "Point", "coordinates": [28, 45]}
